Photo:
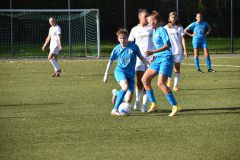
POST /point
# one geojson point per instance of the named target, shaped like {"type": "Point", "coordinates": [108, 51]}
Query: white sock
{"type": "Point", "coordinates": [138, 95]}
{"type": "Point", "coordinates": [54, 64]}
{"type": "Point", "coordinates": [145, 99]}
{"type": "Point", "coordinates": [169, 78]}
{"type": "Point", "coordinates": [176, 79]}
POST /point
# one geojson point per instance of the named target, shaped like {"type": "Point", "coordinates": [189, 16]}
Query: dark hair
{"type": "Point", "coordinates": [157, 17]}
{"type": "Point", "coordinates": [122, 31]}
{"type": "Point", "coordinates": [142, 11]}
{"type": "Point", "coordinates": [169, 23]}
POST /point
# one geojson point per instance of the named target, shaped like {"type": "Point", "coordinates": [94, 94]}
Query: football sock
{"type": "Point", "coordinates": [138, 95]}
{"type": "Point", "coordinates": [176, 79]}
{"type": "Point", "coordinates": [196, 61]}
{"type": "Point", "coordinates": [120, 97]}
{"type": "Point", "coordinates": [54, 64]}
{"type": "Point", "coordinates": [145, 99]}
{"type": "Point", "coordinates": [150, 96]}
{"type": "Point", "coordinates": [208, 62]}
{"type": "Point", "coordinates": [171, 99]}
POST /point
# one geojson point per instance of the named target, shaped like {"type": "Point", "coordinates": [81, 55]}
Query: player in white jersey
{"type": "Point", "coordinates": [178, 45]}
{"type": "Point", "coordinates": [54, 36]}
{"type": "Point", "coordinates": [142, 35]}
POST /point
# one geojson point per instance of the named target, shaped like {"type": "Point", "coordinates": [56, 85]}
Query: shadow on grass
{"type": "Point", "coordinates": [30, 104]}
{"type": "Point", "coordinates": [193, 111]}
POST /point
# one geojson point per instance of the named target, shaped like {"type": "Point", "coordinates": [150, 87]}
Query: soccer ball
{"type": "Point", "coordinates": [125, 109]}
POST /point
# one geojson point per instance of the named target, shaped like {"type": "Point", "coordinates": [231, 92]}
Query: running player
{"type": "Point", "coordinates": [55, 45]}
{"type": "Point", "coordinates": [178, 44]}
{"type": "Point", "coordinates": [162, 64]}
{"type": "Point", "coordinates": [200, 29]}
{"type": "Point", "coordinates": [126, 54]}
{"type": "Point", "coordinates": [142, 35]}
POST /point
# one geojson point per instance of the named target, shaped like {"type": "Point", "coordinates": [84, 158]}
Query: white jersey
{"type": "Point", "coordinates": [142, 37]}
{"type": "Point", "coordinates": [54, 31]}
{"type": "Point", "coordinates": [175, 35]}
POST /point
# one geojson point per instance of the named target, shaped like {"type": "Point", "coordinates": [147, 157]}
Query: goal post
{"type": "Point", "coordinates": [23, 32]}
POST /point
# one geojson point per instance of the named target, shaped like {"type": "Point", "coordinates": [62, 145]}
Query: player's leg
{"type": "Point", "coordinates": [176, 76]}
{"type": "Point", "coordinates": [52, 59]}
{"type": "Point", "coordinates": [129, 95]}
{"type": "Point", "coordinates": [139, 88]}
{"type": "Point", "coordinates": [150, 73]}
{"type": "Point", "coordinates": [118, 95]}
{"type": "Point", "coordinates": [166, 71]}
{"type": "Point", "coordinates": [207, 57]}
{"type": "Point", "coordinates": [196, 47]}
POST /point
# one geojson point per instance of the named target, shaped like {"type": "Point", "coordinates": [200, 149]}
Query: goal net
{"type": "Point", "coordinates": [23, 32]}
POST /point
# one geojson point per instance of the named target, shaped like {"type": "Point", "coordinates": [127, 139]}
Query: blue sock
{"type": "Point", "coordinates": [171, 99]}
{"type": "Point", "coordinates": [150, 96]}
{"type": "Point", "coordinates": [196, 61]}
{"type": "Point", "coordinates": [208, 62]}
{"type": "Point", "coordinates": [120, 95]}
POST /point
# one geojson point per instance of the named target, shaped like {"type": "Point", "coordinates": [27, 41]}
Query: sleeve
{"type": "Point", "coordinates": [207, 25]}
{"type": "Point", "coordinates": [191, 26]}
{"type": "Point", "coordinates": [131, 35]}
{"type": "Point", "coordinates": [58, 30]}
{"type": "Point", "coordinates": [113, 55]}
{"type": "Point", "coordinates": [181, 31]}
{"type": "Point", "coordinates": [138, 52]}
{"type": "Point", "coordinates": [164, 36]}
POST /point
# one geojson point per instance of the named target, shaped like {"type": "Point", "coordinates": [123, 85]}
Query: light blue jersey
{"type": "Point", "coordinates": [199, 29]}
{"type": "Point", "coordinates": [126, 58]}
{"type": "Point", "coordinates": [161, 38]}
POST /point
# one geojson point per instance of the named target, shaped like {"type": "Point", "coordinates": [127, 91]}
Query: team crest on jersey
{"type": "Point", "coordinates": [130, 51]}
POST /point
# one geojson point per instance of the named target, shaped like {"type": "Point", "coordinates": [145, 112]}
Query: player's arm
{"type": "Point", "coordinates": [141, 57]}
{"type": "Point", "coordinates": [209, 30]}
{"type": "Point", "coordinates": [46, 42]}
{"type": "Point", "coordinates": [189, 28]}
{"type": "Point", "coordinates": [59, 40]}
{"type": "Point", "coordinates": [151, 52]}
{"type": "Point", "coordinates": [184, 46]}
{"type": "Point", "coordinates": [109, 66]}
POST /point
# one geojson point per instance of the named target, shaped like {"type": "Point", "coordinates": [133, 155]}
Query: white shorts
{"type": "Point", "coordinates": [140, 66]}
{"type": "Point", "coordinates": [54, 50]}
{"type": "Point", "coordinates": [178, 58]}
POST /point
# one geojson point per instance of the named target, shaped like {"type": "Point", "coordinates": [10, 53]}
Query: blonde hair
{"type": "Point", "coordinates": [169, 23]}
{"type": "Point", "coordinates": [122, 31]}
{"type": "Point", "coordinates": [156, 16]}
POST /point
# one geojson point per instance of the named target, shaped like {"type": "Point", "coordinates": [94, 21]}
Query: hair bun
{"type": "Point", "coordinates": [155, 12]}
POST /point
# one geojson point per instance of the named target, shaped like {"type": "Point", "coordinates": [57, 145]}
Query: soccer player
{"type": "Point", "coordinates": [178, 44]}
{"type": "Point", "coordinates": [162, 64]}
{"type": "Point", "coordinates": [142, 35]}
{"type": "Point", "coordinates": [126, 54]}
{"type": "Point", "coordinates": [55, 45]}
{"type": "Point", "coordinates": [200, 29]}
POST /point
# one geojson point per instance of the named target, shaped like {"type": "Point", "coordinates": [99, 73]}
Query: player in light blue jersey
{"type": "Point", "coordinates": [126, 54]}
{"type": "Point", "coordinates": [200, 30]}
{"type": "Point", "coordinates": [162, 64]}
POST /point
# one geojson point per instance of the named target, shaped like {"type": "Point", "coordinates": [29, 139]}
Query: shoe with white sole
{"type": "Point", "coordinates": [115, 112]}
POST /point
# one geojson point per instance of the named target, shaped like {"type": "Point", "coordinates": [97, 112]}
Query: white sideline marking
{"type": "Point", "coordinates": [217, 65]}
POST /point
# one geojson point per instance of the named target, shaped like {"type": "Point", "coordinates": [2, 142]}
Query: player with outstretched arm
{"type": "Point", "coordinates": [178, 44]}
{"type": "Point", "coordinates": [54, 36]}
{"type": "Point", "coordinates": [200, 29]}
{"type": "Point", "coordinates": [126, 54]}
{"type": "Point", "coordinates": [162, 64]}
{"type": "Point", "coordinates": [142, 35]}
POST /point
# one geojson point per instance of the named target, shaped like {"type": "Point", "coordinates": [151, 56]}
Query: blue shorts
{"type": "Point", "coordinates": [199, 43]}
{"type": "Point", "coordinates": [119, 76]}
{"type": "Point", "coordinates": [163, 65]}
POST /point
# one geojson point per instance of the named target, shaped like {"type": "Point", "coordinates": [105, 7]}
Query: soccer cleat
{"type": "Point", "coordinates": [153, 108]}
{"type": "Point", "coordinates": [175, 109]}
{"type": "Point", "coordinates": [144, 109]}
{"type": "Point", "coordinates": [179, 108]}
{"type": "Point", "coordinates": [113, 96]}
{"type": "Point", "coordinates": [169, 83]}
{"type": "Point", "coordinates": [200, 71]}
{"type": "Point", "coordinates": [54, 74]}
{"type": "Point", "coordinates": [211, 70]}
{"type": "Point", "coordinates": [136, 106]}
{"type": "Point", "coordinates": [115, 112]}
{"type": "Point", "coordinates": [58, 73]}
{"type": "Point", "coordinates": [176, 88]}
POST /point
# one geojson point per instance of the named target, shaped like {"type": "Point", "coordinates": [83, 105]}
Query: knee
{"type": "Point", "coordinates": [125, 87]}
{"type": "Point", "coordinates": [144, 81]}
{"type": "Point", "coordinates": [139, 84]}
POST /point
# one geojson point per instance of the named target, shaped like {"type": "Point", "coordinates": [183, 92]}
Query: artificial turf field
{"type": "Point", "coordinates": [69, 117]}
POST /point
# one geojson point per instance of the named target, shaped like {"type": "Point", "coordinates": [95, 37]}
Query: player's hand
{"type": "Point", "coordinates": [43, 48]}
{"type": "Point", "coordinates": [193, 34]}
{"type": "Point", "coordinates": [185, 54]}
{"type": "Point", "coordinates": [149, 52]}
{"type": "Point", "coordinates": [105, 78]}
{"type": "Point", "coordinates": [152, 59]}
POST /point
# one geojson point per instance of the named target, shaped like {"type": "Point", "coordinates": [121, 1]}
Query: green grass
{"type": "Point", "coordinates": [216, 46]}
{"type": "Point", "coordinates": [69, 117]}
